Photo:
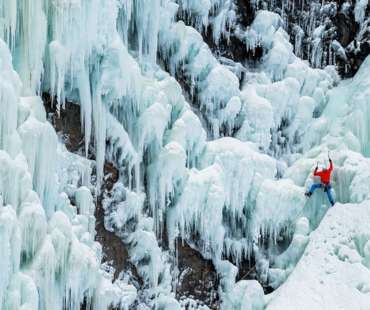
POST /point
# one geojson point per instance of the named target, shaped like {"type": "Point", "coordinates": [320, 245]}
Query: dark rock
{"type": "Point", "coordinates": [67, 124]}
{"type": "Point", "coordinates": [197, 277]}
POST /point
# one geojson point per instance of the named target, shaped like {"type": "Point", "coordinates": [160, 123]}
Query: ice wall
{"type": "Point", "coordinates": [175, 169]}
{"type": "Point", "coordinates": [49, 257]}
{"type": "Point", "coordinates": [151, 130]}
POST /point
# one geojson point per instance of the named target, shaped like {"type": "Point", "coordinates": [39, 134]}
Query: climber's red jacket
{"type": "Point", "coordinates": [324, 174]}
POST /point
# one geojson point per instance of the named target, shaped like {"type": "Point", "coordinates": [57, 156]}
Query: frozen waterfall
{"type": "Point", "coordinates": [209, 151]}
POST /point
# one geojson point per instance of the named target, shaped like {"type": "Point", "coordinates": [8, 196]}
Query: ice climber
{"type": "Point", "coordinates": [325, 182]}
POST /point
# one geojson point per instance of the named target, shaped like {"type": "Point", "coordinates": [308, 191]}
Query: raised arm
{"type": "Point", "coordinates": [331, 165]}
{"type": "Point", "coordinates": [315, 173]}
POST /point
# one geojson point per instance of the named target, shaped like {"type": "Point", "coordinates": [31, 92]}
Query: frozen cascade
{"type": "Point", "coordinates": [250, 176]}
{"type": "Point", "coordinates": [223, 105]}
{"type": "Point", "coordinates": [43, 236]}
{"type": "Point", "coordinates": [218, 15]}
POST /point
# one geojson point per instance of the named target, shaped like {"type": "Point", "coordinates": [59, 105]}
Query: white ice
{"type": "Point", "coordinates": [283, 119]}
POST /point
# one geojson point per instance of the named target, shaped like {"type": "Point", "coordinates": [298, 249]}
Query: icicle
{"type": "Point", "coordinates": [9, 241]}
{"type": "Point", "coordinates": [86, 107]}
{"type": "Point", "coordinates": [298, 40]}
{"type": "Point", "coordinates": [48, 245]}
{"type": "Point", "coordinates": [8, 12]}
{"type": "Point", "coordinates": [39, 146]}
{"type": "Point", "coordinates": [359, 10]}
{"type": "Point", "coordinates": [58, 59]}
{"type": "Point", "coordinates": [30, 41]}
{"type": "Point", "coordinates": [100, 130]}
{"type": "Point", "coordinates": [147, 25]}
{"type": "Point", "coordinates": [33, 221]}
{"type": "Point", "coordinates": [8, 99]}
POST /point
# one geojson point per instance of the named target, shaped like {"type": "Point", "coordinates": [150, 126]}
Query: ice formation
{"type": "Point", "coordinates": [334, 271]}
{"type": "Point", "coordinates": [222, 167]}
{"type": "Point", "coordinates": [49, 257]}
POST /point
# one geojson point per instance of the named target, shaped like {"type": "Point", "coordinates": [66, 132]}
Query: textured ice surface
{"type": "Point", "coordinates": [262, 30]}
{"type": "Point", "coordinates": [333, 272]}
{"type": "Point", "coordinates": [226, 175]}
{"type": "Point", "coordinates": [49, 256]}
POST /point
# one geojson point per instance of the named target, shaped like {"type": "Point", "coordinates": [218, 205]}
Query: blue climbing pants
{"type": "Point", "coordinates": [327, 189]}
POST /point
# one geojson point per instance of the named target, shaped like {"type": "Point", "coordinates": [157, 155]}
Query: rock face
{"type": "Point", "coordinates": [197, 278]}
